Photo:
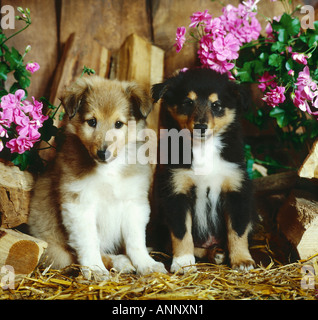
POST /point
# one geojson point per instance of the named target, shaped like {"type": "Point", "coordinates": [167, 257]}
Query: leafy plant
{"type": "Point", "coordinates": [22, 124]}
{"type": "Point", "coordinates": [283, 64]}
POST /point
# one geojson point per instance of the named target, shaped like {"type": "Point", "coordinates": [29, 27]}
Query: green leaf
{"type": "Point", "coordinates": [259, 67]}
{"type": "Point", "coordinates": [280, 115]}
{"type": "Point", "coordinates": [14, 58]}
{"type": "Point", "coordinates": [275, 60]}
{"type": "Point", "coordinates": [312, 40]}
{"type": "Point", "coordinates": [289, 64]}
{"type": "Point", "coordinates": [263, 56]}
{"type": "Point", "coordinates": [245, 73]}
{"type": "Point", "coordinates": [278, 46]}
{"type": "Point", "coordinates": [23, 77]}
{"type": "Point", "coordinates": [4, 70]}
{"type": "Point", "coordinates": [21, 160]}
{"type": "Point", "coordinates": [48, 130]}
{"type": "Point", "coordinates": [282, 35]}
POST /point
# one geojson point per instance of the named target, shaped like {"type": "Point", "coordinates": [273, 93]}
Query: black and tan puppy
{"type": "Point", "coordinates": [203, 189]}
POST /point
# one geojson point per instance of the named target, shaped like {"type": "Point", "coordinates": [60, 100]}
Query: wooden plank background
{"type": "Point", "coordinates": [109, 22]}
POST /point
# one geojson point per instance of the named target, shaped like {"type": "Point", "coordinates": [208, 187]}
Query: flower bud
{"type": "Point", "coordinates": [27, 49]}
{"type": "Point", "coordinates": [20, 9]}
{"type": "Point", "coordinates": [292, 95]}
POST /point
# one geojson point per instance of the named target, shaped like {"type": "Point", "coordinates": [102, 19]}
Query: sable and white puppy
{"type": "Point", "coordinates": [204, 193]}
{"type": "Point", "coordinates": [93, 204]}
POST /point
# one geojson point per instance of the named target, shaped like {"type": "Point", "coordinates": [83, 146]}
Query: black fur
{"type": "Point", "coordinates": [237, 206]}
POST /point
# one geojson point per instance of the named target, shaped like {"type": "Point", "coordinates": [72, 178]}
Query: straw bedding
{"type": "Point", "coordinates": [209, 282]}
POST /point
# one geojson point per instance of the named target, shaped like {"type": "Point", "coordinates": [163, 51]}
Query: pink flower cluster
{"type": "Point", "coordinates": [21, 117]}
{"type": "Point", "coordinates": [306, 94]}
{"type": "Point", "coordinates": [275, 94]}
{"type": "Point", "coordinates": [223, 36]}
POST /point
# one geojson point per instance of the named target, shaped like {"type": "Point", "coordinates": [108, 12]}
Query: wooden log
{"type": "Point", "coordinates": [20, 251]}
{"type": "Point", "coordinates": [298, 220]}
{"type": "Point", "coordinates": [309, 168]}
{"type": "Point", "coordinates": [138, 60]}
{"type": "Point", "coordinates": [15, 193]}
{"type": "Point", "coordinates": [275, 183]}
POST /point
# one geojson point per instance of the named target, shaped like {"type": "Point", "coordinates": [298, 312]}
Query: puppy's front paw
{"type": "Point", "coordinates": [183, 264]}
{"type": "Point", "coordinates": [95, 272]}
{"type": "Point", "coordinates": [151, 267]}
{"type": "Point", "coordinates": [243, 265]}
{"type": "Point", "coordinates": [122, 263]}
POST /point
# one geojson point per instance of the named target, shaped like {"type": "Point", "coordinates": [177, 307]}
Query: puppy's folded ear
{"type": "Point", "coordinates": [141, 104]}
{"type": "Point", "coordinates": [73, 96]}
{"type": "Point", "coordinates": [167, 88]}
{"type": "Point", "coordinates": [158, 90]}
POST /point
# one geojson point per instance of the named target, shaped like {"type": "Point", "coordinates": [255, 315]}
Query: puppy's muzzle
{"type": "Point", "coordinates": [200, 129]}
{"type": "Point", "coordinates": [103, 155]}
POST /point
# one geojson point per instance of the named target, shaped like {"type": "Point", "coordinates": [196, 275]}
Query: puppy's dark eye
{"type": "Point", "coordinates": [217, 106]}
{"type": "Point", "coordinates": [92, 122]}
{"type": "Point", "coordinates": [118, 124]}
{"type": "Point", "coordinates": [187, 102]}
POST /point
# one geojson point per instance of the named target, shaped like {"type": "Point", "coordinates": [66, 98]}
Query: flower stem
{"type": "Point", "coordinates": [28, 23]}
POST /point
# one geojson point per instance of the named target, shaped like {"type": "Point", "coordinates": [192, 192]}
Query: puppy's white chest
{"type": "Point", "coordinates": [209, 172]}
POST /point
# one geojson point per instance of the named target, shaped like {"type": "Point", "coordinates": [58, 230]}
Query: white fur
{"type": "Point", "coordinates": [183, 263]}
{"type": "Point", "coordinates": [209, 170]}
{"type": "Point", "coordinates": [112, 210]}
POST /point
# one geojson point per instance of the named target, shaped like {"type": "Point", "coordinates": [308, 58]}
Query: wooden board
{"type": "Point", "coordinates": [77, 53]}
{"type": "Point", "coordinates": [108, 22]}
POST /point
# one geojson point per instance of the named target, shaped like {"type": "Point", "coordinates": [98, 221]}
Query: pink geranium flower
{"type": "Point", "coordinates": [19, 145]}
{"type": "Point", "coordinates": [226, 48]}
{"type": "Point", "coordinates": [198, 17]}
{"type": "Point", "coordinates": [32, 67]}
{"type": "Point", "coordinates": [266, 80]}
{"type": "Point", "coordinates": [275, 96]}
{"type": "Point", "coordinates": [180, 38]}
{"type": "Point", "coordinates": [306, 94]}
{"type": "Point", "coordinates": [22, 117]}
{"type": "Point", "coordinates": [299, 57]}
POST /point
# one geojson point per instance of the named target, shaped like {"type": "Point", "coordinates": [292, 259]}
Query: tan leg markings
{"type": "Point", "coordinates": [185, 245]}
{"type": "Point", "coordinates": [239, 254]}
{"type": "Point", "coordinates": [183, 250]}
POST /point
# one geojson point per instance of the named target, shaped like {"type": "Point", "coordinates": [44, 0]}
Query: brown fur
{"type": "Point", "coordinates": [106, 101]}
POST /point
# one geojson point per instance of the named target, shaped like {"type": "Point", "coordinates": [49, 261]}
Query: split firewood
{"type": "Point", "coordinates": [298, 220]}
{"type": "Point", "coordinates": [309, 169]}
{"type": "Point", "coordinates": [15, 193]}
{"type": "Point", "coordinates": [138, 60]}
{"type": "Point", "coordinates": [19, 251]}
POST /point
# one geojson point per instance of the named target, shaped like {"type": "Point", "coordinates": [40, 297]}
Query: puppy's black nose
{"type": "Point", "coordinates": [202, 127]}
{"type": "Point", "coordinates": [103, 154]}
